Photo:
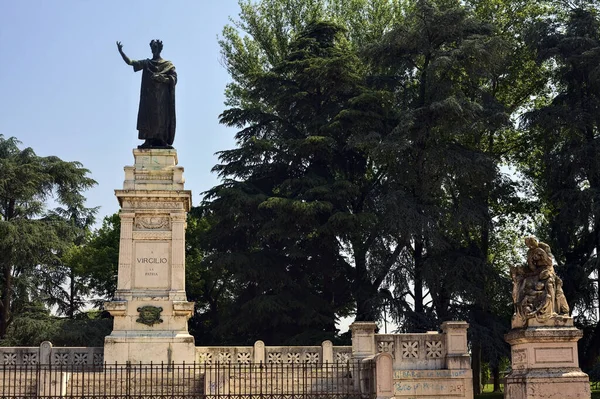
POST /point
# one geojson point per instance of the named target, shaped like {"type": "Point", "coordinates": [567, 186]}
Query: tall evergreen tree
{"type": "Point", "coordinates": [31, 238]}
{"type": "Point", "coordinates": [561, 157]}
{"type": "Point", "coordinates": [424, 129]}
{"type": "Point", "coordinates": [368, 251]}
{"type": "Point", "coordinates": [443, 64]}
{"type": "Point", "coordinates": [291, 199]}
{"type": "Point", "coordinates": [260, 37]}
{"type": "Point", "coordinates": [439, 156]}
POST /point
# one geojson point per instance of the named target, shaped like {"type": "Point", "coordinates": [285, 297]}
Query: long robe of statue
{"type": "Point", "coordinates": [156, 114]}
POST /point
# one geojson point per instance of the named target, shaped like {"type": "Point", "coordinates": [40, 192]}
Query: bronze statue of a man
{"type": "Point", "coordinates": [156, 115]}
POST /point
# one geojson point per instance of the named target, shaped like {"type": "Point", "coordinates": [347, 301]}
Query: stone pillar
{"type": "Point", "coordinates": [457, 353]}
{"type": "Point", "coordinates": [125, 252]}
{"type": "Point", "coordinates": [45, 353]}
{"type": "Point", "coordinates": [363, 339]}
{"type": "Point", "coordinates": [545, 363]}
{"type": "Point", "coordinates": [384, 376]}
{"type": "Point", "coordinates": [259, 352]}
{"type": "Point", "coordinates": [150, 307]}
{"type": "Point", "coordinates": [327, 348]}
{"type": "Point", "coordinates": [50, 382]}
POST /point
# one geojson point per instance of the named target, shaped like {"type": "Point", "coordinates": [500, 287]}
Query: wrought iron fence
{"type": "Point", "coordinates": [210, 381]}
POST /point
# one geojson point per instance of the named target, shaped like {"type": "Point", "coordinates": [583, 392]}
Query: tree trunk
{"type": "Point", "coordinates": [591, 354]}
{"type": "Point", "coordinates": [418, 278]}
{"type": "Point", "coordinates": [364, 292]}
{"type": "Point", "coordinates": [5, 298]}
{"type": "Point", "coordinates": [476, 366]}
{"type": "Point", "coordinates": [71, 312]}
{"type": "Point", "coordinates": [496, 376]}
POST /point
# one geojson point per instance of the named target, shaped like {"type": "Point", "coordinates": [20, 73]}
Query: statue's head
{"type": "Point", "coordinates": [156, 46]}
{"type": "Point", "coordinates": [539, 254]}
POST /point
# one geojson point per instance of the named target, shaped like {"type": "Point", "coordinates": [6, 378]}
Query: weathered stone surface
{"type": "Point", "coordinates": [561, 383]}
{"type": "Point", "coordinates": [545, 364]}
{"type": "Point", "coordinates": [151, 271]}
{"type": "Point", "coordinates": [543, 340]}
{"type": "Point", "coordinates": [537, 290]}
{"type": "Point", "coordinates": [419, 365]}
{"type": "Point", "coordinates": [363, 339]}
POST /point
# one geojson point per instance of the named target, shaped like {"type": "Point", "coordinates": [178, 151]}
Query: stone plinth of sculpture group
{"type": "Point", "coordinates": [543, 338]}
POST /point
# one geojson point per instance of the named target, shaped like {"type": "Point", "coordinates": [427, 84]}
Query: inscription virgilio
{"type": "Point", "coordinates": [152, 265]}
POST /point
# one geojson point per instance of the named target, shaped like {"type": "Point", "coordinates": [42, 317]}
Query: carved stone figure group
{"type": "Point", "coordinates": [537, 289]}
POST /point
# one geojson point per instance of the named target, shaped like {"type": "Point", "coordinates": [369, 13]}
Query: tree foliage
{"type": "Point", "coordinates": [390, 155]}
{"type": "Point", "coordinates": [379, 152]}
{"type": "Point", "coordinates": [561, 157]}
{"type": "Point", "coordinates": [288, 179]}
{"type": "Point", "coordinates": [33, 238]}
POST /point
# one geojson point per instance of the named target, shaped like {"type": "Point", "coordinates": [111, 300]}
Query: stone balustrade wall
{"type": "Point", "coordinates": [326, 353]}
{"type": "Point", "coordinates": [427, 365]}
{"type": "Point", "coordinates": [413, 351]}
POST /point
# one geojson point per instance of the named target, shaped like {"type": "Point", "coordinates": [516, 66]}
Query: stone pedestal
{"type": "Point", "coordinates": [363, 339]}
{"type": "Point", "coordinates": [545, 363]}
{"type": "Point", "coordinates": [150, 308]}
{"type": "Point", "coordinates": [457, 352]}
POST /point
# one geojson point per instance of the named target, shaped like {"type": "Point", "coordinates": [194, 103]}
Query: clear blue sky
{"type": "Point", "coordinates": [67, 92]}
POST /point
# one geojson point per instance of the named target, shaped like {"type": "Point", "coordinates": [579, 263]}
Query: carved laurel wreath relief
{"type": "Point", "coordinates": [152, 222]}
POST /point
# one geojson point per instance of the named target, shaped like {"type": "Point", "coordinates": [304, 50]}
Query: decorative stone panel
{"type": "Point", "coordinates": [410, 349]}
{"type": "Point", "coordinates": [9, 359]}
{"type": "Point", "coordinates": [60, 358]}
{"type": "Point", "coordinates": [243, 358]}
{"type": "Point", "coordinates": [342, 357]}
{"type": "Point", "coordinates": [205, 358]}
{"type": "Point", "coordinates": [312, 358]}
{"type": "Point", "coordinates": [433, 349]}
{"type": "Point", "coordinates": [80, 359]}
{"type": "Point", "coordinates": [386, 347]}
{"type": "Point", "coordinates": [274, 358]}
{"type": "Point", "coordinates": [292, 358]}
{"type": "Point", "coordinates": [98, 359]}
{"type": "Point", "coordinates": [30, 359]}
{"type": "Point", "coordinates": [224, 357]}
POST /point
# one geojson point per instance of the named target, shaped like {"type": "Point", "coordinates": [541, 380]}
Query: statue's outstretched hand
{"type": "Point", "coordinates": [125, 58]}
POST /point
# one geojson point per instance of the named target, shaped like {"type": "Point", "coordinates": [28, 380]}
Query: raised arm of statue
{"type": "Point", "coordinates": [125, 58]}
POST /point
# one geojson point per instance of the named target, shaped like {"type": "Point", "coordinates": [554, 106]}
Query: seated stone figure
{"type": "Point", "coordinates": [537, 289]}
